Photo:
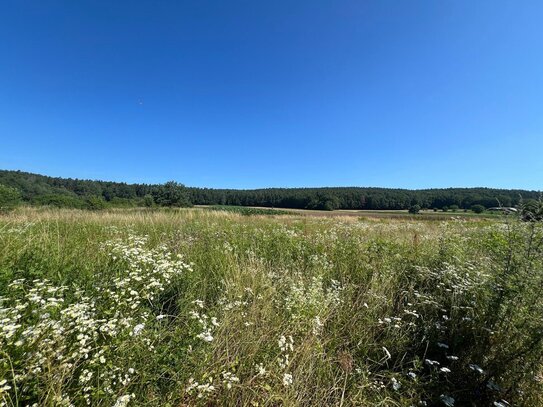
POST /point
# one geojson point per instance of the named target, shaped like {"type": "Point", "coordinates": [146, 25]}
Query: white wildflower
{"type": "Point", "coordinates": [287, 379]}
{"type": "Point", "coordinates": [122, 401]}
{"type": "Point", "coordinates": [137, 329]}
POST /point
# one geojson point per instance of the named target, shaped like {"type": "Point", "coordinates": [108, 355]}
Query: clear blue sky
{"type": "Point", "coordinates": [246, 94]}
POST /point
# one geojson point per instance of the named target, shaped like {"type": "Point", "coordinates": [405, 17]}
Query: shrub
{"type": "Point", "coordinates": [478, 208]}
{"type": "Point", "coordinates": [148, 201]}
{"type": "Point", "coordinates": [59, 201]}
{"type": "Point", "coordinates": [414, 209]}
{"type": "Point", "coordinates": [95, 203]}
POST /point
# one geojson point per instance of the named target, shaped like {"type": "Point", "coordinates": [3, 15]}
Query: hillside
{"type": "Point", "coordinates": [40, 189]}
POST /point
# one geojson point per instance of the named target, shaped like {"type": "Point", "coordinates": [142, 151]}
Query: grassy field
{"type": "Point", "coordinates": [384, 214]}
{"type": "Point", "coordinates": [203, 307]}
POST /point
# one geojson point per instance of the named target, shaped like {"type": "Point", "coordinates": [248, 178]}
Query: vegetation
{"type": "Point", "coordinates": [39, 190]}
{"type": "Point", "coordinates": [171, 194]}
{"type": "Point", "coordinates": [205, 307]}
{"type": "Point", "coordinates": [532, 210]}
{"type": "Point", "coordinates": [478, 208]}
{"type": "Point", "coordinates": [83, 194]}
{"type": "Point", "coordinates": [9, 198]}
{"type": "Point", "coordinates": [247, 211]}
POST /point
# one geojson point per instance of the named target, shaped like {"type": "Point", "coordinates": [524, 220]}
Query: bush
{"type": "Point", "coordinates": [59, 201]}
{"type": "Point", "coordinates": [445, 209]}
{"type": "Point", "coordinates": [478, 208]}
{"type": "Point", "coordinates": [9, 198]}
{"type": "Point", "coordinates": [95, 203]}
{"type": "Point", "coordinates": [414, 209]}
{"type": "Point", "coordinates": [148, 201]}
{"type": "Point", "coordinates": [454, 208]}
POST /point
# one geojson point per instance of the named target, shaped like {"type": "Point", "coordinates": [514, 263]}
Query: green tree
{"type": "Point", "coordinates": [478, 208]}
{"type": "Point", "coordinates": [172, 194]}
{"type": "Point", "coordinates": [414, 209]}
{"type": "Point", "coordinates": [9, 198]}
{"type": "Point", "coordinates": [324, 201]}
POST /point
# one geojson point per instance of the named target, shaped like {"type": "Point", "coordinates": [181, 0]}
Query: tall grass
{"type": "Point", "coordinates": [196, 307]}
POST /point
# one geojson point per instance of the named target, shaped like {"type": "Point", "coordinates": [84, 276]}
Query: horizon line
{"type": "Point", "coordinates": [273, 187]}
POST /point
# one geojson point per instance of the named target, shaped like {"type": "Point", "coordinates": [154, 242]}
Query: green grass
{"type": "Point", "coordinates": [212, 307]}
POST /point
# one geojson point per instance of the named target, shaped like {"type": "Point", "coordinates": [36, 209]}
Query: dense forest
{"type": "Point", "coordinates": [67, 192]}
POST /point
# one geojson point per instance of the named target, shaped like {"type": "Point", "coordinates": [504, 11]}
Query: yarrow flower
{"type": "Point", "coordinates": [287, 379]}
{"type": "Point", "coordinates": [138, 328]}
{"type": "Point", "coordinates": [123, 400]}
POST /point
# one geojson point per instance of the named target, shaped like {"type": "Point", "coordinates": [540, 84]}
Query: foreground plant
{"type": "Point", "coordinates": [201, 308]}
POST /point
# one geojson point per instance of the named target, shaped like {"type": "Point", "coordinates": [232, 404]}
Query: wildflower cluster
{"type": "Point", "coordinates": [206, 324]}
{"type": "Point", "coordinates": [286, 346]}
{"type": "Point", "coordinates": [54, 334]}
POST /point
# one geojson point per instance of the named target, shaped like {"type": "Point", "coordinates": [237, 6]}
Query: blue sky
{"type": "Point", "coordinates": [247, 94]}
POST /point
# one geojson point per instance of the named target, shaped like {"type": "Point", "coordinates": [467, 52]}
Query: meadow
{"type": "Point", "coordinates": [203, 307]}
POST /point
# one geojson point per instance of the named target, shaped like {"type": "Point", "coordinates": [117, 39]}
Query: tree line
{"type": "Point", "coordinates": [67, 192]}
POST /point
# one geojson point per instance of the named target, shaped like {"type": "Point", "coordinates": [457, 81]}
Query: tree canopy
{"type": "Point", "coordinates": [40, 189]}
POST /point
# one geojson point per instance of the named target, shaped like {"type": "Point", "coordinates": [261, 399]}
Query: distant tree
{"type": "Point", "coordinates": [172, 194]}
{"type": "Point", "coordinates": [478, 208]}
{"type": "Point", "coordinates": [323, 201]}
{"type": "Point", "coordinates": [445, 209]}
{"type": "Point", "coordinates": [454, 208]}
{"type": "Point", "coordinates": [148, 200]}
{"type": "Point", "coordinates": [95, 203]}
{"type": "Point", "coordinates": [435, 209]}
{"type": "Point", "coordinates": [414, 209]}
{"type": "Point", "coordinates": [330, 203]}
{"type": "Point", "coordinates": [35, 187]}
{"type": "Point", "coordinates": [9, 198]}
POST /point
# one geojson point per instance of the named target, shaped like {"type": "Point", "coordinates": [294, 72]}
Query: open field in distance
{"type": "Point", "coordinates": [422, 215]}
